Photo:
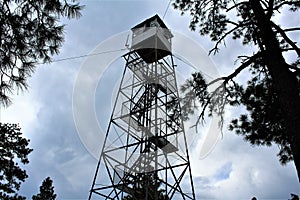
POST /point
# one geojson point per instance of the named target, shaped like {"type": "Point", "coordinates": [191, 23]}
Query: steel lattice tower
{"type": "Point", "coordinates": [145, 154]}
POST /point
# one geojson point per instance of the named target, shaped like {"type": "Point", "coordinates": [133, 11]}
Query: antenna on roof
{"type": "Point", "coordinates": [167, 9]}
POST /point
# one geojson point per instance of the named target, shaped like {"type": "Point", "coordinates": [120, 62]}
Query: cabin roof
{"type": "Point", "coordinates": [147, 22]}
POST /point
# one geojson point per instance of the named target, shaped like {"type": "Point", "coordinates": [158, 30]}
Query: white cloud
{"type": "Point", "coordinates": [23, 112]}
{"type": "Point", "coordinates": [253, 171]}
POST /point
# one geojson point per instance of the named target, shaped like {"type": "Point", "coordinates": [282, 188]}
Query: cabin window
{"type": "Point", "coordinates": [154, 24]}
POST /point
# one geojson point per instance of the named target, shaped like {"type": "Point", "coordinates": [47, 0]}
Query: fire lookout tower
{"type": "Point", "coordinates": [145, 154]}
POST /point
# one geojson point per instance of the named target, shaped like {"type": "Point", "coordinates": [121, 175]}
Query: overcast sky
{"type": "Point", "coordinates": [233, 170]}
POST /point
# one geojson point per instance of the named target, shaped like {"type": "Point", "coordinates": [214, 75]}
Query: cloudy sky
{"type": "Point", "coordinates": [233, 170]}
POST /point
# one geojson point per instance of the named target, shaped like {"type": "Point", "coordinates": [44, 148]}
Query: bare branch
{"type": "Point", "coordinates": [243, 66]}
{"type": "Point", "coordinates": [282, 33]}
{"type": "Point", "coordinates": [215, 49]}
{"type": "Point", "coordinates": [223, 86]}
{"type": "Point", "coordinates": [292, 29]}
{"type": "Point", "coordinates": [233, 23]}
{"type": "Point", "coordinates": [216, 80]}
{"type": "Point", "coordinates": [236, 5]}
{"type": "Point", "coordinates": [201, 116]}
{"type": "Point", "coordinates": [265, 4]}
{"type": "Point", "coordinates": [270, 9]}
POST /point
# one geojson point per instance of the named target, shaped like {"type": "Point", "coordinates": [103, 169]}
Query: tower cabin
{"type": "Point", "coordinates": [151, 39]}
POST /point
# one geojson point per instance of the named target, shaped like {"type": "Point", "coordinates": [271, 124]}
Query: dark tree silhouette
{"type": "Point", "coordinates": [294, 197]}
{"type": "Point", "coordinates": [148, 183]}
{"type": "Point", "coordinates": [271, 94]}
{"type": "Point", "coordinates": [13, 152]}
{"type": "Point", "coordinates": [30, 32]}
{"type": "Point", "coordinates": [46, 191]}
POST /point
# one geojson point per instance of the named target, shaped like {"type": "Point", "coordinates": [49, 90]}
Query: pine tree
{"type": "Point", "coordinates": [46, 191]}
{"type": "Point", "coordinates": [30, 32]}
{"type": "Point", "coordinates": [13, 152]}
{"type": "Point", "coordinates": [147, 186]}
{"type": "Point", "coordinates": [271, 94]}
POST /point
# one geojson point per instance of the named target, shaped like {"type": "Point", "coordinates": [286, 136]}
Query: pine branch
{"type": "Point", "coordinates": [289, 41]}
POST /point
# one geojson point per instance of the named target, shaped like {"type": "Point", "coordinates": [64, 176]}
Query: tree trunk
{"type": "Point", "coordinates": [285, 82]}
